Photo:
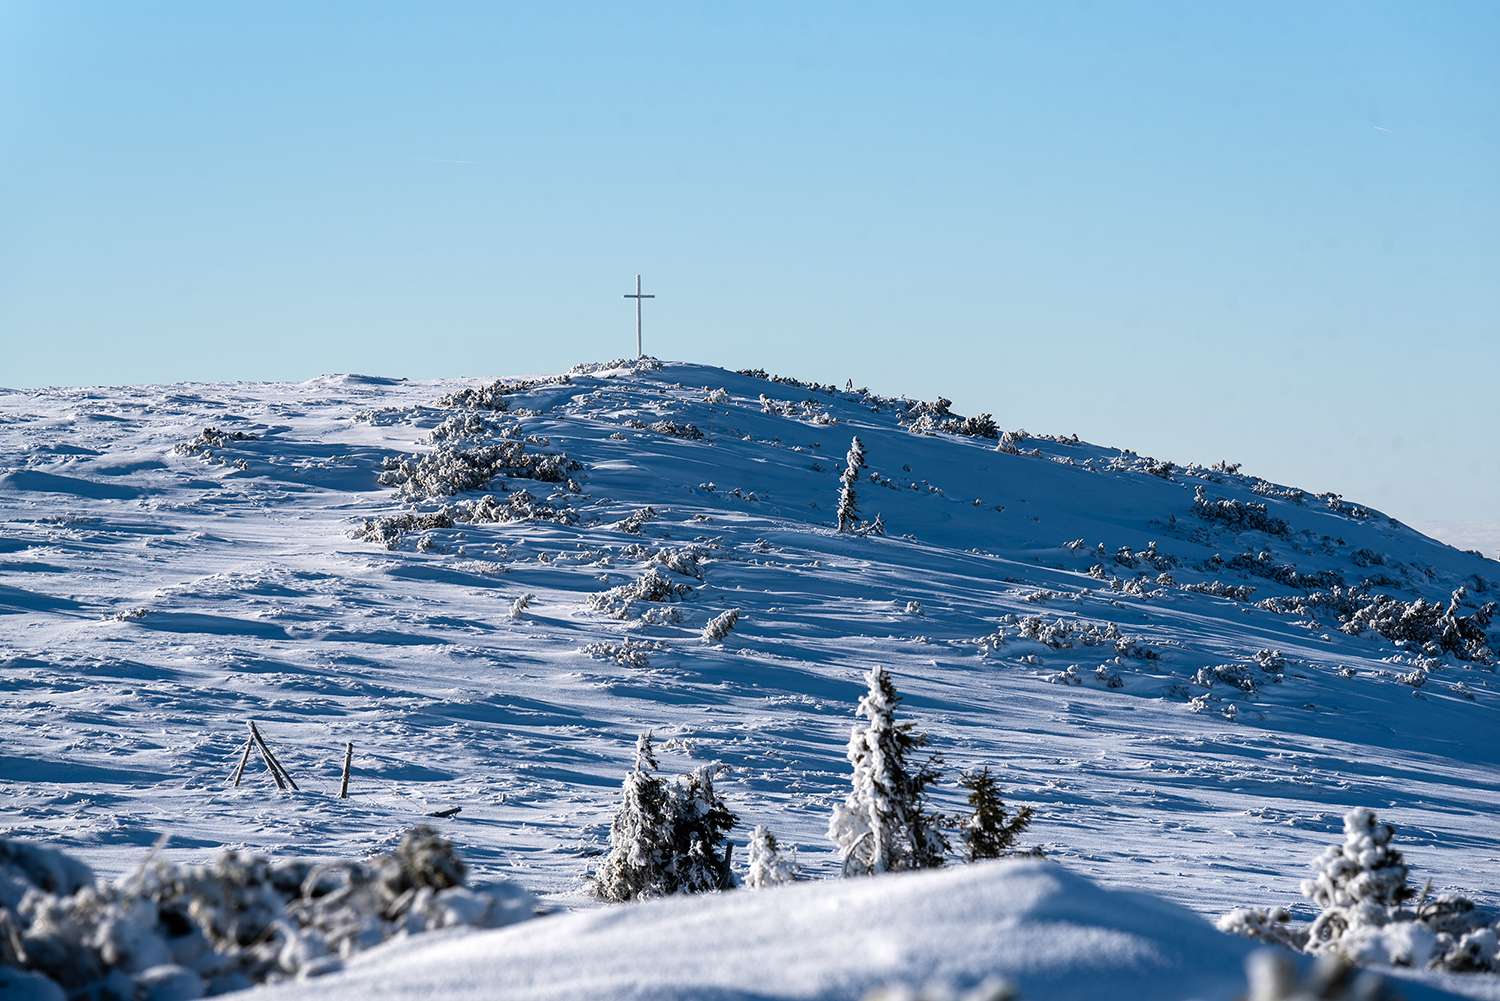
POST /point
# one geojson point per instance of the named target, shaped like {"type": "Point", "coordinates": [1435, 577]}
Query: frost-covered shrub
{"type": "Point", "coordinates": [1240, 676]}
{"type": "Point", "coordinates": [492, 397]}
{"type": "Point", "coordinates": [519, 606]}
{"type": "Point", "coordinates": [989, 831]}
{"type": "Point", "coordinates": [1241, 516]}
{"type": "Point", "coordinates": [174, 930]}
{"type": "Point", "coordinates": [1338, 505]}
{"type": "Point", "coordinates": [1108, 678]}
{"type": "Point", "coordinates": [1219, 589]}
{"type": "Point", "coordinates": [1263, 564]}
{"type": "Point", "coordinates": [675, 430]}
{"type": "Point", "coordinates": [619, 602]}
{"type": "Point", "coordinates": [389, 531]}
{"type": "Point", "coordinates": [632, 524]}
{"type": "Point", "coordinates": [627, 653]}
{"type": "Point", "coordinates": [1064, 634]}
{"type": "Point", "coordinates": [645, 363]}
{"type": "Point", "coordinates": [471, 425]}
{"type": "Point", "coordinates": [719, 626]}
{"type": "Point", "coordinates": [767, 866]}
{"type": "Point", "coordinates": [1361, 886]}
{"type": "Point", "coordinates": [521, 505]}
{"type": "Point", "coordinates": [884, 825]}
{"type": "Point", "coordinates": [1010, 441]}
{"type": "Point", "coordinates": [716, 396]}
{"type": "Point", "coordinates": [667, 837]}
{"type": "Point", "coordinates": [1431, 626]}
{"type": "Point", "coordinates": [211, 437]}
{"type": "Point", "coordinates": [452, 469]}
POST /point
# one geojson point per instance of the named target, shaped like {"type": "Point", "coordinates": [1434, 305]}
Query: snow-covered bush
{"type": "Point", "coordinates": [172, 930]}
{"type": "Point", "coordinates": [667, 837]}
{"type": "Point", "coordinates": [719, 626]}
{"type": "Point", "coordinates": [453, 469]}
{"type": "Point", "coordinates": [1219, 589]}
{"type": "Point", "coordinates": [631, 525]}
{"type": "Point", "coordinates": [492, 397]}
{"type": "Point", "coordinates": [1361, 886]}
{"type": "Point", "coordinates": [519, 606]}
{"type": "Point", "coordinates": [1010, 442]}
{"type": "Point", "coordinates": [1432, 627]}
{"type": "Point", "coordinates": [716, 396]}
{"type": "Point", "coordinates": [767, 867]}
{"type": "Point", "coordinates": [520, 505]}
{"type": "Point", "coordinates": [653, 585]}
{"type": "Point", "coordinates": [988, 831]}
{"type": "Point", "coordinates": [644, 363]}
{"type": "Point", "coordinates": [675, 430]}
{"type": "Point", "coordinates": [884, 825]}
{"type": "Point", "coordinates": [211, 437]}
{"type": "Point", "coordinates": [1239, 515]}
{"type": "Point", "coordinates": [626, 653]}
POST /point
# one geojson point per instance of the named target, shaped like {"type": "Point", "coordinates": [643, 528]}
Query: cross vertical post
{"type": "Point", "coordinates": [638, 297]}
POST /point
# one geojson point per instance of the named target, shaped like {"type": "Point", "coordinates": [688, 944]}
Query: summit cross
{"type": "Point", "coordinates": [638, 297]}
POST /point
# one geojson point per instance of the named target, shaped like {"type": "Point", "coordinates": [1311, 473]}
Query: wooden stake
{"type": "Point", "coordinates": [277, 772]}
{"type": "Point", "coordinates": [348, 760]}
{"type": "Point", "coordinates": [239, 772]}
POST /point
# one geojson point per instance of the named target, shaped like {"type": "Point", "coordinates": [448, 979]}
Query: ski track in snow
{"type": "Point", "coordinates": [259, 605]}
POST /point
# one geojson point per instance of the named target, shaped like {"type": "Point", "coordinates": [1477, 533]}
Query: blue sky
{"type": "Point", "coordinates": [1262, 232]}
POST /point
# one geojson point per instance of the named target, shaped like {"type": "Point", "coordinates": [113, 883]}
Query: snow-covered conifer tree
{"type": "Point", "coordinates": [666, 838]}
{"type": "Point", "coordinates": [883, 824]}
{"type": "Point", "coordinates": [641, 836]}
{"type": "Point", "coordinates": [767, 867]}
{"type": "Point", "coordinates": [700, 820]}
{"type": "Point", "coordinates": [848, 504]}
{"type": "Point", "coordinates": [1359, 882]}
{"type": "Point", "coordinates": [987, 832]}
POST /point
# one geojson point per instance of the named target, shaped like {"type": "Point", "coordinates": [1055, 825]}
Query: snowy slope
{"type": "Point", "coordinates": [151, 601]}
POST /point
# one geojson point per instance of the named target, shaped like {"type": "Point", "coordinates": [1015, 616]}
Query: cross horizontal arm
{"type": "Point", "coordinates": [629, 295]}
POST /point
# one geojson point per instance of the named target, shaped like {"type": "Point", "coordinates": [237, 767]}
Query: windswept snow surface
{"type": "Point", "coordinates": [153, 599]}
{"type": "Point", "coordinates": [1052, 934]}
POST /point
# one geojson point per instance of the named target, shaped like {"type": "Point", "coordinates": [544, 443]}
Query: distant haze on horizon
{"type": "Point", "coordinates": [1267, 233]}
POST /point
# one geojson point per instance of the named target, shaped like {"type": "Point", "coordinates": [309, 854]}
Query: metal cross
{"type": "Point", "coordinates": [638, 297]}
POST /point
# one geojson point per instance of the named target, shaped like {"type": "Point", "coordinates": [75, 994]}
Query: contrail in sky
{"type": "Point", "coordinates": [1383, 130]}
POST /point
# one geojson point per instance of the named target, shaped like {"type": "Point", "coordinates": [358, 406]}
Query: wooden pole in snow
{"type": "Point", "coordinates": [244, 760]}
{"type": "Point", "coordinates": [348, 760]}
{"type": "Point", "coordinates": [277, 772]}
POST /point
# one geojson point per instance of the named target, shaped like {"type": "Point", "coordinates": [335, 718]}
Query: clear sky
{"type": "Point", "coordinates": [1262, 232]}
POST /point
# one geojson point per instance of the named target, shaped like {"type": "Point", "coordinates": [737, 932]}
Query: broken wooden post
{"type": "Point", "coordinates": [348, 760]}
{"type": "Point", "coordinates": [239, 772]}
{"type": "Point", "coordinates": [277, 772]}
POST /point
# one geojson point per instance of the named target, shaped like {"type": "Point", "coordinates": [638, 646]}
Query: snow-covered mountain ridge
{"type": "Point", "coordinates": [1076, 617]}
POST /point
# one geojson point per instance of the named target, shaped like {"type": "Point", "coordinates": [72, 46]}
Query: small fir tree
{"type": "Point", "coordinates": [848, 503]}
{"type": "Point", "coordinates": [1361, 882]}
{"type": "Point", "coordinates": [883, 824]}
{"type": "Point", "coordinates": [641, 836]}
{"type": "Point", "coordinates": [667, 837]}
{"type": "Point", "coordinates": [767, 867]}
{"type": "Point", "coordinates": [700, 821]}
{"type": "Point", "coordinates": [987, 832]}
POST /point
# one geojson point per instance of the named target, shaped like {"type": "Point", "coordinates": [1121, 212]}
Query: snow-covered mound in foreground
{"type": "Point", "coordinates": [1053, 934]}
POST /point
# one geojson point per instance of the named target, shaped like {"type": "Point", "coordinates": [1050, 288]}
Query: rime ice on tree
{"type": "Point", "coordinates": [883, 824]}
{"type": "Point", "coordinates": [767, 867]}
{"type": "Point", "coordinates": [848, 504]}
{"type": "Point", "coordinates": [666, 838]}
